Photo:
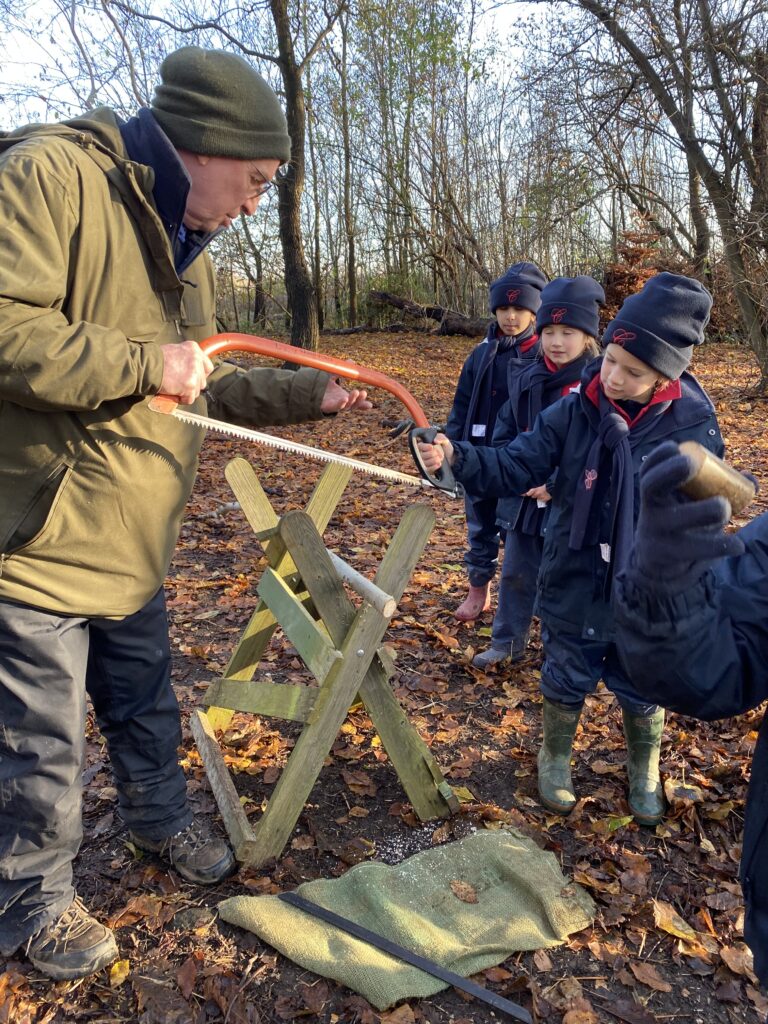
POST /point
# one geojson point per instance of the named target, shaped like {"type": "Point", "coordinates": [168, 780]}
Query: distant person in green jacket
{"type": "Point", "coordinates": [106, 289]}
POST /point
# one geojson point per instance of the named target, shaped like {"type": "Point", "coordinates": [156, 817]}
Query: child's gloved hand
{"type": "Point", "coordinates": [676, 537]}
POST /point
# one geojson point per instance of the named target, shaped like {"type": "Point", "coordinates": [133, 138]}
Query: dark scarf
{"type": "Point", "coordinates": [504, 348]}
{"type": "Point", "coordinates": [538, 388]}
{"type": "Point", "coordinates": [616, 437]}
{"type": "Point", "coordinates": [148, 144]}
{"type": "Point", "coordinates": [543, 385]}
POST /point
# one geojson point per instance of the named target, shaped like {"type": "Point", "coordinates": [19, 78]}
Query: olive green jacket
{"type": "Point", "coordinates": [93, 484]}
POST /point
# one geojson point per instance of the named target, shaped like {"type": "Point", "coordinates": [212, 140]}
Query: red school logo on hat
{"type": "Point", "coordinates": [513, 294]}
{"type": "Point", "coordinates": [557, 314]}
{"type": "Point", "coordinates": [621, 336]}
{"type": "Point", "coordinates": [590, 475]}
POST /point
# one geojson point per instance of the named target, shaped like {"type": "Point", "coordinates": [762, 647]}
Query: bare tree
{"type": "Point", "coordinates": [706, 70]}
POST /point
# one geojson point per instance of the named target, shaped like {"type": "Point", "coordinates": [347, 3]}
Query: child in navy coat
{"type": "Point", "coordinates": [633, 398]}
{"type": "Point", "coordinates": [482, 390]}
{"type": "Point", "coordinates": [567, 324]}
{"type": "Point", "coordinates": [692, 630]}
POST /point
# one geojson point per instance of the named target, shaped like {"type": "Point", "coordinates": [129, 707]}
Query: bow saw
{"type": "Point", "coordinates": [219, 344]}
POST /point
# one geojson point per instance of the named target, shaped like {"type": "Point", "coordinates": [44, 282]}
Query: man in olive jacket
{"type": "Point", "coordinates": [105, 290]}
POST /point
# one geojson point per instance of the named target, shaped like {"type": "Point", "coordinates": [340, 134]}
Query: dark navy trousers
{"type": "Point", "coordinates": [48, 663]}
{"type": "Point", "coordinates": [483, 539]}
{"type": "Point", "coordinates": [574, 666]}
{"type": "Point", "coordinates": [517, 587]}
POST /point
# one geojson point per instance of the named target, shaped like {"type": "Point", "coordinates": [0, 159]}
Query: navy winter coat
{"type": "Point", "coordinates": [704, 653]}
{"type": "Point", "coordinates": [572, 584]}
{"type": "Point", "coordinates": [503, 359]}
{"type": "Point", "coordinates": [512, 510]}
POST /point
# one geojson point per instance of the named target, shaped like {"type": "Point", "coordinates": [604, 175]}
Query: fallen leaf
{"type": "Point", "coordinates": [729, 992]}
{"type": "Point", "coordinates": [497, 974]}
{"type": "Point", "coordinates": [118, 972]}
{"type": "Point", "coordinates": [648, 975]}
{"type": "Point", "coordinates": [682, 793]}
{"type": "Point", "coordinates": [159, 1002]}
{"type": "Point", "coordinates": [616, 823]}
{"type": "Point", "coordinates": [360, 783]}
{"type": "Point", "coordinates": [186, 976]}
{"type": "Point", "coordinates": [402, 1015]}
{"type": "Point", "coordinates": [463, 795]}
{"type": "Point", "coordinates": [738, 959]}
{"type": "Point", "coordinates": [724, 901]}
{"type": "Point", "coordinates": [303, 842]}
{"type": "Point", "coordinates": [542, 960]}
{"type": "Point", "coordinates": [759, 999]}
{"type": "Point", "coordinates": [667, 918]}
{"type": "Point", "coordinates": [464, 891]}
{"type": "Point", "coordinates": [445, 639]}
{"type": "Point", "coordinates": [632, 1013]}
{"type": "Point", "coordinates": [315, 995]}
{"type": "Point", "coordinates": [582, 1014]}
{"type": "Point", "coordinates": [154, 913]}
{"type": "Point", "coordinates": [564, 993]}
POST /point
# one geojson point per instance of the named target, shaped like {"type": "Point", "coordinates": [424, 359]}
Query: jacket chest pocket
{"type": "Point", "coordinates": [198, 310]}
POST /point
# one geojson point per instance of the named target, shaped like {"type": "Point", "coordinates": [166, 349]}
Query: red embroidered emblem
{"type": "Point", "coordinates": [557, 314]}
{"type": "Point", "coordinates": [620, 336]}
{"type": "Point", "coordinates": [512, 295]}
{"type": "Point", "coordinates": [589, 478]}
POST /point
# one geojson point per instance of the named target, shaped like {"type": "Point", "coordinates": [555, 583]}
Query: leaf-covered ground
{"type": "Point", "coordinates": [667, 942]}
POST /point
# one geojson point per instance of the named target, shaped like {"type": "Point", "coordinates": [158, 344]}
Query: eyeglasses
{"type": "Point", "coordinates": [259, 187]}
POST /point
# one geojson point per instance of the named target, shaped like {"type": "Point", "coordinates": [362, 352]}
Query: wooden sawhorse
{"type": "Point", "coordinates": [302, 590]}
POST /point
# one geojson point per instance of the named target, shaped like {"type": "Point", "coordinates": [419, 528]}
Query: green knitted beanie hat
{"type": "Point", "coordinates": [214, 103]}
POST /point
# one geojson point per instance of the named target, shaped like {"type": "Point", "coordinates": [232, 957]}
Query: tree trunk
{"type": "Point", "coordinates": [349, 221]}
{"type": "Point", "coordinates": [298, 284]}
{"type": "Point", "coordinates": [259, 297]}
{"type": "Point", "coordinates": [317, 281]}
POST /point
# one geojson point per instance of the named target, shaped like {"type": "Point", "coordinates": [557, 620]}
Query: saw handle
{"type": "Point", "coordinates": [443, 479]}
{"type": "Point", "coordinates": [221, 343]}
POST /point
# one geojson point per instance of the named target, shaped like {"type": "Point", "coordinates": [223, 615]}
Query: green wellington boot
{"type": "Point", "coordinates": [646, 797]}
{"type": "Point", "coordinates": [554, 760]}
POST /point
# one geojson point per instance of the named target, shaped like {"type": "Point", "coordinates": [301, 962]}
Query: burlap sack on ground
{"type": "Point", "coordinates": [523, 902]}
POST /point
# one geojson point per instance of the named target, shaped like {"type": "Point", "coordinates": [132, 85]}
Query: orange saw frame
{"type": "Point", "coordinates": [233, 342]}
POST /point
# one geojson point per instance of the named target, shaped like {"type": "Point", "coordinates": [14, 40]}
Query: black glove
{"type": "Point", "coordinates": [676, 537]}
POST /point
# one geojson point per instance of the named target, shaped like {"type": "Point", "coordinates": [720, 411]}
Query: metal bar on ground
{"type": "Point", "coordinates": [407, 955]}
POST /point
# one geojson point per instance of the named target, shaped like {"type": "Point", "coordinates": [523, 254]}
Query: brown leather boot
{"type": "Point", "coordinates": [73, 946]}
{"type": "Point", "coordinates": [196, 854]}
{"type": "Point", "coordinates": [477, 601]}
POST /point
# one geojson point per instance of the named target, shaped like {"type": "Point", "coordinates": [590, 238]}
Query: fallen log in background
{"type": "Point", "coordinates": [395, 328]}
{"type": "Point", "coordinates": [450, 322]}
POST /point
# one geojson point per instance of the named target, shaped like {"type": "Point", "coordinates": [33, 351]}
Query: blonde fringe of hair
{"type": "Point", "coordinates": [592, 346]}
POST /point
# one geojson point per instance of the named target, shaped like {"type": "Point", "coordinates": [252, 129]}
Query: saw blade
{"type": "Point", "coordinates": [220, 426]}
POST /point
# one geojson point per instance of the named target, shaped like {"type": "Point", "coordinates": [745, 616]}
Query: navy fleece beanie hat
{"type": "Point", "coordinates": [213, 103]}
{"type": "Point", "coordinates": [574, 301]}
{"type": "Point", "coordinates": [519, 285]}
{"type": "Point", "coordinates": [662, 322]}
